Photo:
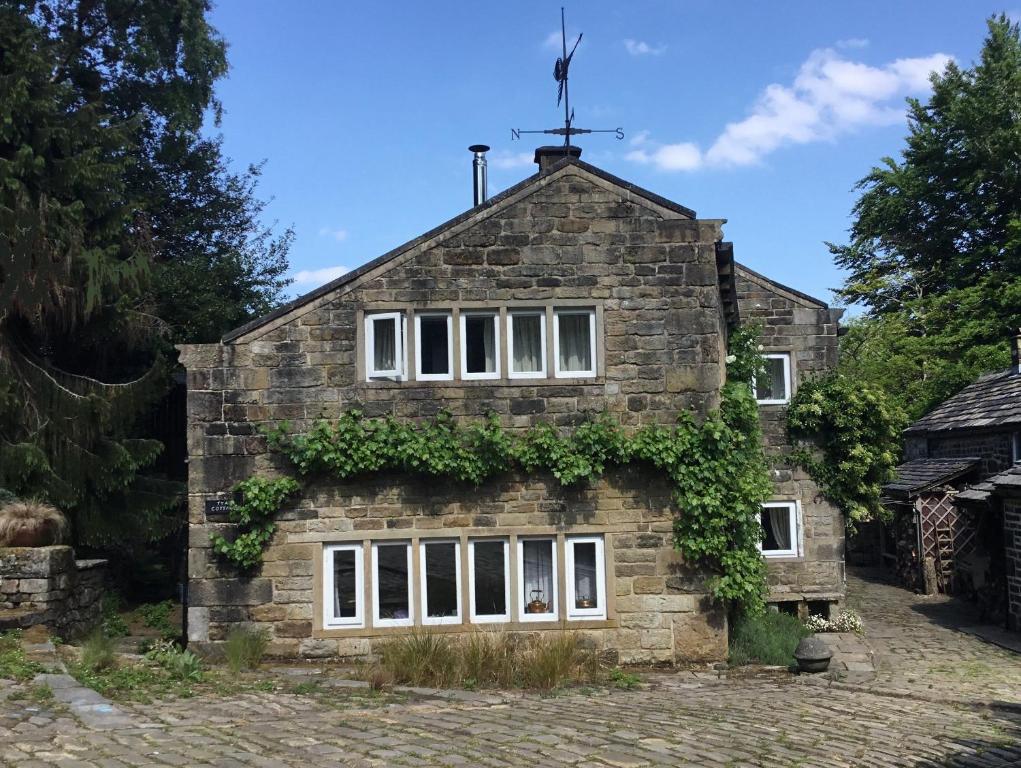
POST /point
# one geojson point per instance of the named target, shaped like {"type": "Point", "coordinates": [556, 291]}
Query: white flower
{"type": "Point", "coordinates": [731, 358]}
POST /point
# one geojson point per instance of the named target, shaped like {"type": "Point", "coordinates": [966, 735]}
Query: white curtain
{"type": "Point", "coordinates": [527, 343]}
{"type": "Point", "coordinates": [575, 344]}
{"type": "Point", "coordinates": [489, 343]}
{"type": "Point", "coordinates": [780, 525]}
{"type": "Point", "coordinates": [538, 557]}
{"type": "Point", "coordinates": [480, 344]}
{"type": "Point", "coordinates": [384, 338]}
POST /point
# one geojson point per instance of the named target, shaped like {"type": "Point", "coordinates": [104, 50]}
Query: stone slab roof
{"type": "Point", "coordinates": [1007, 482]}
{"type": "Point", "coordinates": [919, 475]}
{"type": "Point", "coordinates": [992, 401]}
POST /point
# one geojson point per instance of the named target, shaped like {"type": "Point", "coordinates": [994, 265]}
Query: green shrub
{"type": "Point", "coordinates": [182, 665]}
{"type": "Point", "coordinates": [244, 648]}
{"type": "Point", "coordinates": [765, 638]}
{"type": "Point", "coordinates": [112, 623]}
{"type": "Point", "coordinates": [157, 616]}
{"type": "Point", "coordinates": [98, 651]}
{"type": "Point", "coordinates": [13, 663]}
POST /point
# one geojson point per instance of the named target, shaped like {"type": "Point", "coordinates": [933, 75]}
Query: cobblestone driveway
{"type": "Point", "coordinates": [922, 710]}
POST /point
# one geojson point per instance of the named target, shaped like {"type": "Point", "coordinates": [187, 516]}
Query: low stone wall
{"type": "Point", "coordinates": [46, 585]}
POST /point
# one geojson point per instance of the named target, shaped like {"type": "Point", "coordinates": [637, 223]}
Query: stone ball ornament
{"type": "Point", "coordinates": [813, 655]}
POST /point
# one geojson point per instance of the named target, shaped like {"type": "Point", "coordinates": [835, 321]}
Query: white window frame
{"type": "Point", "coordinates": [489, 618]}
{"type": "Point", "coordinates": [573, 612]}
{"type": "Point", "coordinates": [794, 509]}
{"type": "Point", "coordinates": [511, 373]}
{"type": "Point", "coordinates": [495, 317]}
{"type": "Point", "coordinates": [1015, 448]}
{"type": "Point", "coordinates": [376, 620]}
{"type": "Point", "coordinates": [786, 357]}
{"type": "Point", "coordinates": [523, 615]}
{"type": "Point", "coordinates": [449, 375]}
{"type": "Point", "coordinates": [401, 329]}
{"type": "Point", "coordinates": [428, 620]}
{"type": "Point", "coordinates": [330, 621]}
{"type": "Point", "coordinates": [586, 374]}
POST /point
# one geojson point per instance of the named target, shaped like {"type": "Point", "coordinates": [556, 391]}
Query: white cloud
{"type": "Point", "coordinates": [639, 139]}
{"type": "Point", "coordinates": [313, 278]}
{"type": "Point", "coordinates": [554, 41]}
{"type": "Point", "coordinates": [340, 235]}
{"type": "Point", "coordinates": [830, 96]}
{"type": "Point", "coordinates": [505, 160]}
{"type": "Point", "coordinates": [853, 42]}
{"type": "Point", "coordinates": [642, 48]}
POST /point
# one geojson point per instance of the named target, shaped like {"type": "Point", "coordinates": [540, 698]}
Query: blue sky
{"type": "Point", "coordinates": [764, 114]}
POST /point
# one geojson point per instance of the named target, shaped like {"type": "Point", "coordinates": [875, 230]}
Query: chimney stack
{"type": "Point", "coordinates": [479, 172]}
{"type": "Point", "coordinates": [547, 157]}
{"type": "Point", "coordinates": [1015, 352]}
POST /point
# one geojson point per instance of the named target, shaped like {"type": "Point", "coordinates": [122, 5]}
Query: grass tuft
{"type": "Point", "coordinates": [767, 638]}
{"type": "Point", "coordinates": [98, 651]}
{"type": "Point", "coordinates": [244, 648]}
{"type": "Point", "coordinates": [14, 665]}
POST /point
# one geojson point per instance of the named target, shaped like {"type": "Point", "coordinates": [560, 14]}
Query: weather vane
{"type": "Point", "coordinates": [560, 75]}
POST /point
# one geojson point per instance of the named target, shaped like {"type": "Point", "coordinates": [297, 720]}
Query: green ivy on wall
{"type": "Point", "coordinates": [717, 468]}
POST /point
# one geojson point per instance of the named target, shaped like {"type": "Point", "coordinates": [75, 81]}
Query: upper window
{"type": "Point", "coordinates": [780, 529]}
{"type": "Point", "coordinates": [434, 358]}
{"type": "Point", "coordinates": [480, 345]}
{"type": "Point", "coordinates": [391, 585]}
{"type": "Point", "coordinates": [384, 342]}
{"type": "Point", "coordinates": [441, 582]}
{"type": "Point", "coordinates": [537, 579]}
{"type": "Point", "coordinates": [343, 573]}
{"type": "Point", "coordinates": [586, 598]}
{"type": "Point", "coordinates": [1016, 442]}
{"type": "Point", "coordinates": [526, 337]}
{"type": "Point", "coordinates": [489, 580]}
{"type": "Point", "coordinates": [574, 343]}
{"type": "Point", "coordinates": [774, 387]}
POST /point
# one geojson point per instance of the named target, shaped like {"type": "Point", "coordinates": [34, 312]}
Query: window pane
{"type": "Point", "coordinates": [490, 571]}
{"type": "Point", "coordinates": [384, 353]}
{"type": "Point", "coordinates": [480, 344]}
{"type": "Point", "coordinates": [432, 345]}
{"type": "Point", "coordinates": [392, 581]}
{"type": "Point", "coordinates": [776, 527]}
{"type": "Point", "coordinates": [527, 352]}
{"type": "Point", "coordinates": [441, 579]}
{"type": "Point", "coordinates": [575, 342]}
{"type": "Point", "coordinates": [538, 576]}
{"type": "Point", "coordinates": [345, 598]}
{"type": "Point", "coordinates": [772, 384]}
{"type": "Point", "coordinates": [585, 588]}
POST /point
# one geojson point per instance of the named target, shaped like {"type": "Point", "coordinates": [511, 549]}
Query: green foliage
{"type": "Point", "coordinates": [158, 616]}
{"type": "Point", "coordinates": [623, 679]}
{"type": "Point", "coordinates": [717, 467]}
{"type": "Point", "coordinates": [769, 638]}
{"type": "Point", "coordinates": [98, 652]}
{"type": "Point", "coordinates": [261, 498]}
{"type": "Point", "coordinates": [848, 438]}
{"type": "Point", "coordinates": [112, 623]}
{"type": "Point", "coordinates": [14, 665]}
{"type": "Point", "coordinates": [244, 648]}
{"type": "Point", "coordinates": [935, 251]}
{"type": "Point", "coordinates": [181, 664]}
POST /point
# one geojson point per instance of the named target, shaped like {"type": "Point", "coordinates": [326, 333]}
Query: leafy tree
{"type": "Point", "coordinates": [935, 251]}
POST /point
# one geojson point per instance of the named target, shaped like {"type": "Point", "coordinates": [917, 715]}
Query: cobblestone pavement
{"type": "Point", "coordinates": [679, 719]}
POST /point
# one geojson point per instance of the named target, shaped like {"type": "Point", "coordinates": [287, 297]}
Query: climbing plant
{"type": "Point", "coordinates": [716, 466]}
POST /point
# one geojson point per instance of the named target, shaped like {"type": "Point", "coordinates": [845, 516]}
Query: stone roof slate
{"type": "Point", "coordinates": [1008, 481]}
{"type": "Point", "coordinates": [918, 475]}
{"type": "Point", "coordinates": [992, 401]}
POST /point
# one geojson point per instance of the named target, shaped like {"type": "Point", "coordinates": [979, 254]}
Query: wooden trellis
{"type": "Point", "coordinates": [945, 534]}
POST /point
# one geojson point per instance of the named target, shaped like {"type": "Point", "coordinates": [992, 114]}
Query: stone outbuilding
{"type": "Point", "coordinates": [570, 293]}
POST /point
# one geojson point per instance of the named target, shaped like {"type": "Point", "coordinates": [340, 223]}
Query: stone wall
{"type": "Point", "coordinates": [46, 585]}
{"type": "Point", "coordinates": [1012, 548]}
{"type": "Point", "coordinates": [994, 448]}
{"type": "Point", "coordinates": [806, 329]}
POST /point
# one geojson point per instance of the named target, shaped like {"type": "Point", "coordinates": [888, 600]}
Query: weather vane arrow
{"type": "Point", "coordinates": [560, 70]}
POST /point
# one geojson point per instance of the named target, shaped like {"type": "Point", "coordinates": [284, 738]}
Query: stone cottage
{"type": "Point", "coordinates": [572, 292]}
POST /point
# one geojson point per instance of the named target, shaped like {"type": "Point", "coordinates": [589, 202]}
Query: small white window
{"type": "Point", "coordinates": [774, 387]}
{"type": "Point", "coordinates": [441, 582]}
{"type": "Point", "coordinates": [574, 343]}
{"type": "Point", "coordinates": [480, 345]}
{"type": "Point", "coordinates": [384, 345]}
{"type": "Point", "coordinates": [434, 347]}
{"type": "Point", "coordinates": [526, 338]}
{"type": "Point", "coordinates": [343, 587]}
{"type": "Point", "coordinates": [1016, 442]}
{"type": "Point", "coordinates": [391, 585]}
{"type": "Point", "coordinates": [489, 580]}
{"type": "Point", "coordinates": [586, 577]}
{"type": "Point", "coordinates": [537, 579]}
{"type": "Point", "coordinates": [781, 529]}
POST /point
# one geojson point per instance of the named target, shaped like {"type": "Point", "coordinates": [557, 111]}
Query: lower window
{"type": "Point", "coordinates": [343, 593]}
{"type": "Point", "coordinates": [780, 529]}
{"type": "Point", "coordinates": [586, 577]}
{"type": "Point", "coordinates": [391, 585]}
{"type": "Point", "coordinates": [489, 580]}
{"type": "Point", "coordinates": [537, 579]}
{"type": "Point", "coordinates": [441, 582]}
